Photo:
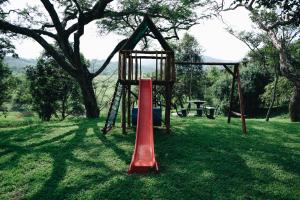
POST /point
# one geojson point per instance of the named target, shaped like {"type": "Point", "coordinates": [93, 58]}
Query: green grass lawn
{"type": "Point", "coordinates": [200, 159]}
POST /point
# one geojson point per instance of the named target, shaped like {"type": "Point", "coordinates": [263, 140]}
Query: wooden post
{"type": "Point", "coordinates": [123, 110]}
{"type": "Point", "coordinates": [156, 67]}
{"type": "Point", "coordinates": [130, 69]}
{"type": "Point", "coordinates": [124, 67]}
{"type": "Point", "coordinates": [128, 106]}
{"type": "Point", "coordinates": [140, 68]}
{"type": "Point", "coordinates": [161, 66]}
{"type": "Point", "coordinates": [232, 93]}
{"type": "Point", "coordinates": [136, 67]}
{"type": "Point", "coordinates": [119, 66]}
{"type": "Point", "coordinates": [168, 94]}
{"type": "Point", "coordinates": [241, 100]}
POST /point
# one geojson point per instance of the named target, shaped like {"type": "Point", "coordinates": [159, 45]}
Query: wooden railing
{"type": "Point", "coordinates": [131, 66]}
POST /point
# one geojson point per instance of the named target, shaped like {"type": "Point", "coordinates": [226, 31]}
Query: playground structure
{"type": "Point", "coordinates": [130, 71]}
{"type": "Point", "coordinates": [235, 72]}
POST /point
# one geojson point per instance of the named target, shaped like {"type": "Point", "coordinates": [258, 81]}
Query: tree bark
{"type": "Point", "coordinates": [89, 97]}
{"type": "Point", "coordinates": [273, 97]}
{"type": "Point", "coordinates": [294, 106]}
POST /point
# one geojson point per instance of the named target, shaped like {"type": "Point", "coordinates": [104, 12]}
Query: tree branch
{"type": "Point", "coordinates": [78, 34]}
{"type": "Point", "coordinates": [47, 33]}
{"type": "Point", "coordinates": [96, 12]}
{"type": "Point", "coordinates": [105, 64]}
{"type": "Point", "coordinates": [63, 41]}
{"type": "Point", "coordinates": [50, 9]}
{"type": "Point", "coordinates": [5, 26]}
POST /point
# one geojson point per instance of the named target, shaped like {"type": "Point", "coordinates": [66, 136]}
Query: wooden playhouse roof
{"type": "Point", "coordinates": [146, 25]}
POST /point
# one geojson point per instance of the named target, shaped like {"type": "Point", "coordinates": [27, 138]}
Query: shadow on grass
{"type": "Point", "coordinates": [200, 159]}
{"type": "Point", "coordinates": [204, 159]}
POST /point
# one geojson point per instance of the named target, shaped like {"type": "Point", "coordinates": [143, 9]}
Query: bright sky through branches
{"type": "Point", "coordinates": [210, 34]}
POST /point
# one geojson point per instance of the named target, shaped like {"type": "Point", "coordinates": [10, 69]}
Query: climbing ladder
{"type": "Point", "coordinates": [113, 109]}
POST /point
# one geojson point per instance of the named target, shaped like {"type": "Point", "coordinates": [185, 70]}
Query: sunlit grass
{"type": "Point", "coordinates": [200, 159]}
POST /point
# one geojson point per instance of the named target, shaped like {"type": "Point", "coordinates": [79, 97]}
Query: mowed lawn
{"type": "Point", "coordinates": [200, 159]}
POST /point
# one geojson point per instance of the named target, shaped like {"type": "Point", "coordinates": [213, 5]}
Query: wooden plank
{"type": "Point", "coordinates": [231, 95]}
{"type": "Point", "coordinates": [148, 57]}
{"type": "Point", "coordinates": [145, 52]}
{"type": "Point", "coordinates": [228, 70]}
{"type": "Point", "coordinates": [124, 67]}
{"type": "Point", "coordinates": [206, 63]}
{"type": "Point", "coordinates": [129, 67]}
{"type": "Point", "coordinates": [156, 66]}
{"type": "Point", "coordinates": [119, 66]}
{"type": "Point", "coordinates": [128, 105]}
{"type": "Point", "coordinates": [136, 82]}
{"type": "Point", "coordinates": [136, 68]}
{"type": "Point", "coordinates": [123, 110]}
{"type": "Point", "coordinates": [236, 114]}
{"type": "Point", "coordinates": [161, 68]}
{"type": "Point", "coordinates": [140, 68]}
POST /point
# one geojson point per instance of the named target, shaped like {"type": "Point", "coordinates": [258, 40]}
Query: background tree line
{"type": "Point", "coordinates": [272, 65]}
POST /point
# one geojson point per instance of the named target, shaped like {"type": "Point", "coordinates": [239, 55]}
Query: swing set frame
{"type": "Point", "coordinates": [235, 72]}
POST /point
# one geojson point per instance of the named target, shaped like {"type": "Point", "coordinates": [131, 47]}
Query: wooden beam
{"type": "Point", "coordinates": [168, 106]}
{"type": "Point", "coordinates": [236, 114]}
{"type": "Point", "coordinates": [161, 69]}
{"type": "Point", "coordinates": [241, 101]}
{"type": "Point", "coordinates": [136, 82]}
{"type": "Point", "coordinates": [231, 94]}
{"type": "Point", "coordinates": [229, 70]}
{"type": "Point", "coordinates": [145, 52]}
{"type": "Point", "coordinates": [206, 63]}
{"type": "Point", "coordinates": [136, 68]}
{"type": "Point", "coordinates": [148, 57]}
{"type": "Point", "coordinates": [128, 105]}
{"type": "Point", "coordinates": [123, 110]}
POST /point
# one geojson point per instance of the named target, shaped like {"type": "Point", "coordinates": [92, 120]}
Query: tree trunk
{"type": "Point", "coordinates": [273, 97]}
{"type": "Point", "coordinates": [89, 97]}
{"type": "Point", "coordinates": [295, 105]}
{"type": "Point", "coordinates": [63, 108]}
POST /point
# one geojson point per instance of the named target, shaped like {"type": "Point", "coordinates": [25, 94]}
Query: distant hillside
{"type": "Point", "coordinates": [211, 59]}
{"type": "Point", "coordinates": [17, 65]}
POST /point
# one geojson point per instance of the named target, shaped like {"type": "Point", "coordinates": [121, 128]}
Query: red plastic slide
{"type": "Point", "coordinates": [143, 158]}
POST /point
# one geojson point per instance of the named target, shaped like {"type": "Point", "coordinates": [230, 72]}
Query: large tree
{"type": "Point", "coordinates": [63, 22]}
{"type": "Point", "coordinates": [280, 21]}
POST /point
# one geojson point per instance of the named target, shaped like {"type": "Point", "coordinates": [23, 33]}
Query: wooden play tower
{"type": "Point", "coordinates": [131, 70]}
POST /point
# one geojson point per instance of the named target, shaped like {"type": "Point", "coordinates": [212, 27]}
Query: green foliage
{"type": "Point", "coordinates": [201, 159]}
{"type": "Point", "coordinates": [169, 16]}
{"type": "Point", "coordinates": [254, 81]}
{"type": "Point", "coordinates": [189, 77]}
{"type": "Point", "coordinates": [219, 90]}
{"type": "Point", "coordinates": [286, 10]}
{"type": "Point", "coordinates": [294, 55]}
{"type": "Point", "coordinates": [5, 84]}
{"type": "Point", "coordinates": [284, 87]}
{"type": "Point", "coordinates": [266, 56]}
{"type": "Point", "coordinates": [22, 100]}
{"type": "Point", "coordinates": [53, 90]}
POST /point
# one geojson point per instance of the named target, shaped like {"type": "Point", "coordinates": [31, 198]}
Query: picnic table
{"type": "Point", "coordinates": [198, 103]}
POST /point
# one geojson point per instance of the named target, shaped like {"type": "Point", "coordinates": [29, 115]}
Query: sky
{"type": "Point", "coordinates": [211, 35]}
